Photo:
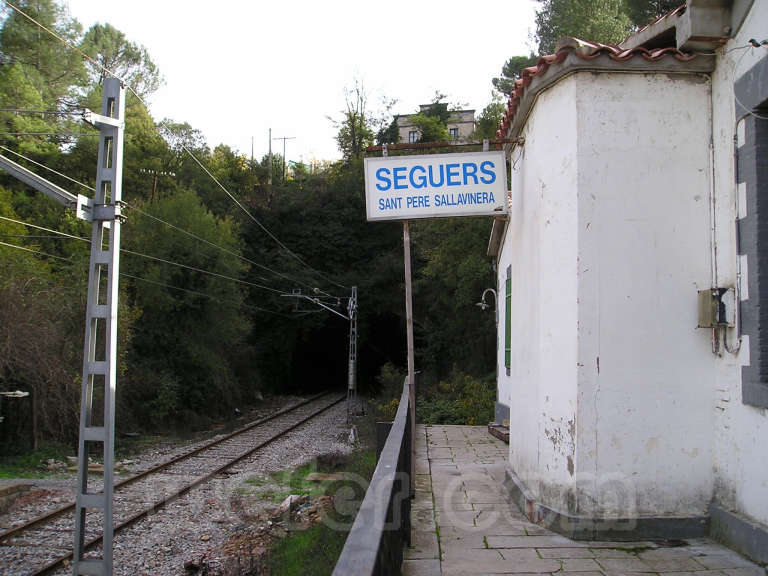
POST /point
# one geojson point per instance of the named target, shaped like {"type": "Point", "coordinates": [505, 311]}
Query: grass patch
{"type": "Point", "coordinates": [33, 464]}
{"type": "Point", "coordinates": [315, 551]}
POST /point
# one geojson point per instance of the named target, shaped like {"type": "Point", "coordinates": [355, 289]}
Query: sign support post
{"type": "Point", "coordinates": [409, 335]}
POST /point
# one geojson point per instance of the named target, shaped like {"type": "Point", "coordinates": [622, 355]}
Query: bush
{"type": "Point", "coordinates": [462, 399]}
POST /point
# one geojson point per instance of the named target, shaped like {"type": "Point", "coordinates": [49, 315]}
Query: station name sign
{"type": "Point", "coordinates": [436, 186]}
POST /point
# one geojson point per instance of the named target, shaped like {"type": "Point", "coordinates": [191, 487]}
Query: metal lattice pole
{"type": "Point", "coordinates": [352, 380]}
{"type": "Point", "coordinates": [100, 359]}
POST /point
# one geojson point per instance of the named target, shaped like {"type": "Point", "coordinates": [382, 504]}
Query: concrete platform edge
{"type": "Point", "coordinates": [614, 529]}
{"type": "Point", "coordinates": [748, 538]}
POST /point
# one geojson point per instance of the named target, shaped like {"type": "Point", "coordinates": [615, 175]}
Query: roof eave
{"type": "Point", "coordinates": [572, 63]}
{"type": "Point", "coordinates": [497, 235]}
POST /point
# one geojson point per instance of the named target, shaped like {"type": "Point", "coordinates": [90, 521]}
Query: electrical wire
{"type": "Point", "coordinates": [753, 44]}
{"type": "Point", "coordinates": [49, 169]}
{"type": "Point", "coordinates": [184, 147]}
{"type": "Point", "coordinates": [168, 223]}
{"type": "Point", "coordinates": [219, 247]}
{"type": "Point", "coordinates": [44, 229]}
{"type": "Point", "coordinates": [64, 41]}
{"type": "Point", "coordinates": [39, 112]}
{"type": "Point", "coordinates": [147, 256]}
{"type": "Point", "coordinates": [201, 270]}
{"type": "Point", "coordinates": [252, 217]}
{"type": "Point", "coordinates": [139, 278]}
{"type": "Point", "coordinates": [64, 134]}
{"type": "Point", "coordinates": [34, 251]}
{"type": "Point", "coordinates": [197, 293]}
{"type": "Point", "coordinates": [164, 222]}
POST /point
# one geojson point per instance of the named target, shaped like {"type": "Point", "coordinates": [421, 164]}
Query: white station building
{"type": "Point", "coordinates": [638, 212]}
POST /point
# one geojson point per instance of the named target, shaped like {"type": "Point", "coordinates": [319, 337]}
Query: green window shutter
{"type": "Point", "coordinates": [508, 320]}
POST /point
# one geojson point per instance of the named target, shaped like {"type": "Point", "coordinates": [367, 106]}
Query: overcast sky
{"type": "Point", "coordinates": [235, 69]}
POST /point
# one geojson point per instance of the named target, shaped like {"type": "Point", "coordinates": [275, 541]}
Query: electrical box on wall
{"type": "Point", "coordinates": [717, 308]}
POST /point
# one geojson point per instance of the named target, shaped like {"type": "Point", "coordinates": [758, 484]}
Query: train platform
{"type": "Point", "coordinates": [463, 523]}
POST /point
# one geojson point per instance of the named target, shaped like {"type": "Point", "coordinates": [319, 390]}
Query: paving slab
{"type": "Point", "coordinates": [423, 546]}
{"type": "Point", "coordinates": [460, 498]}
{"type": "Point", "coordinates": [421, 567]}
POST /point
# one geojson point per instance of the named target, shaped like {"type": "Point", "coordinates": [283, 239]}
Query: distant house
{"type": "Point", "coordinates": [461, 125]}
{"type": "Point", "coordinates": [640, 179]}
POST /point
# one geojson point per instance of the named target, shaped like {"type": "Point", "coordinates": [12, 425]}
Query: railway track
{"type": "Point", "coordinates": [44, 544]}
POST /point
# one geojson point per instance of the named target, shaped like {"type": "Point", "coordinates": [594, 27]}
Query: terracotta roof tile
{"type": "Point", "coordinates": [585, 51]}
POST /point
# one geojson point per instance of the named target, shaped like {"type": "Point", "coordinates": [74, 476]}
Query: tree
{"type": "Point", "coordinates": [597, 20]}
{"type": "Point", "coordinates": [451, 271]}
{"type": "Point", "coordinates": [127, 60]}
{"type": "Point", "coordinates": [643, 12]}
{"type": "Point", "coordinates": [355, 129]}
{"type": "Point", "coordinates": [490, 118]}
{"type": "Point", "coordinates": [55, 71]}
{"type": "Point", "coordinates": [511, 71]}
{"type": "Point", "coordinates": [432, 120]}
{"type": "Point", "coordinates": [194, 334]}
{"type": "Point", "coordinates": [389, 133]}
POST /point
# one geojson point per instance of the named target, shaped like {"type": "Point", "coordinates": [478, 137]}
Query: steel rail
{"type": "Point", "coordinates": [59, 562]}
{"type": "Point", "coordinates": [16, 530]}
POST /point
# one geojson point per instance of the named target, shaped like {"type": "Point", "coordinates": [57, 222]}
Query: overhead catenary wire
{"type": "Point", "coordinates": [155, 282]}
{"type": "Point", "coordinates": [183, 146]}
{"type": "Point", "coordinates": [198, 293]}
{"type": "Point", "coordinates": [147, 256]}
{"type": "Point", "coordinates": [34, 251]}
{"type": "Point", "coordinates": [63, 134]}
{"type": "Point", "coordinates": [219, 247]}
{"type": "Point", "coordinates": [47, 168]}
{"type": "Point", "coordinates": [179, 229]}
{"type": "Point", "coordinates": [40, 112]}
{"type": "Point", "coordinates": [201, 270]}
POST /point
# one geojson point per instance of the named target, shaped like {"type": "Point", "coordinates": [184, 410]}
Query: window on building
{"type": "Point", "coordinates": [508, 320]}
{"type": "Point", "coordinates": [413, 136]}
{"type": "Point", "coordinates": [454, 133]}
{"type": "Point", "coordinates": [752, 182]}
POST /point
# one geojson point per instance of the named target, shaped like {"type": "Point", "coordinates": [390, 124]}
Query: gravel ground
{"type": "Point", "coordinates": [201, 523]}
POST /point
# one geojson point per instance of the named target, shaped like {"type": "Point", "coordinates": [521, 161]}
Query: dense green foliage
{"type": "Point", "coordinates": [459, 399]}
{"type": "Point", "coordinates": [603, 21]}
{"type": "Point", "coordinates": [606, 21]}
{"type": "Point", "coordinates": [512, 69]}
{"type": "Point", "coordinates": [205, 324]}
{"type": "Point", "coordinates": [205, 321]}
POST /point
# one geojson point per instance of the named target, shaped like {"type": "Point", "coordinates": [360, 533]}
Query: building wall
{"type": "Point", "coordinates": [645, 372]}
{"type": "Point", "coordinates": [611, 384]}
{"type": "Point", "coordinates": [540, 248]}
{"type": "Point", "coordinates": [741, 431]}
{"type": "Point", "coordinates": [464, 120]}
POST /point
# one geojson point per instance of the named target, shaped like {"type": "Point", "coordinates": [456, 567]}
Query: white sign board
{"type": "Point", "coordinates": [436, 185]}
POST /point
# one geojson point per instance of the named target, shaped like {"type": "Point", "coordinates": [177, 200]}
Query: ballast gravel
{"type": "Point", "coordinates": [194, 529]}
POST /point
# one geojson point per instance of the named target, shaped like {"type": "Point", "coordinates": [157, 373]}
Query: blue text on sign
{"type": "Point", "coordinates": [453, 174]}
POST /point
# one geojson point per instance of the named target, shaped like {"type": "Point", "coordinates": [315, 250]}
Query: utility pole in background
{"type": "Point", "coordinates": [155, 174]}
{"type": "Point", "coordinates": [352, 379]}
{"type": "Point", "coordinates": [270, 156]}
{"type": "Point", "coordinates": [351, 316]}
{"type": "Point", "coordinates": [283, 138]}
